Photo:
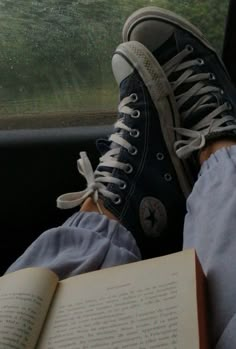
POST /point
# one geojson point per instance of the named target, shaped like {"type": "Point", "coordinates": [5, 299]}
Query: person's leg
{"type": "Point", "coordinates": [206, 104]}
{"type": "Point", "coordinates": [87, 241]}
{"type": "Point", "coordinates": [210, 228]}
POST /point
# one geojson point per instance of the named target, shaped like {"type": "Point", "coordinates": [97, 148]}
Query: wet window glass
{"type": "Point", "coordinates": [55, 56]}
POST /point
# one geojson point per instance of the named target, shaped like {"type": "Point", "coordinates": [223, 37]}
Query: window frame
{"type": "Point", "coordinates": [229, 43]}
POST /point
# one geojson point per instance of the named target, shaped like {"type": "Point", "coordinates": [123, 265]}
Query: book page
{"type": "Point", "coordinates": [25, 296]}
{"type": "Point", "coordinates": [148, 304]}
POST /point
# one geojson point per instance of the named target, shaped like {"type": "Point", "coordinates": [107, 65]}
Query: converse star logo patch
{"type": "Point", "coordinates": [153, 216]}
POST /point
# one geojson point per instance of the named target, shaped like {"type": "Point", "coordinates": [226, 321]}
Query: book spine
{"type": "Point", "coordinates": [202, 306]}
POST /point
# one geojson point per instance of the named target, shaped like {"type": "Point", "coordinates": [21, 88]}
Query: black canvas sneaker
{"type": "Point", "coordinates": [205, 97]}
{"type": "Point", "coordinates": [137, 178]}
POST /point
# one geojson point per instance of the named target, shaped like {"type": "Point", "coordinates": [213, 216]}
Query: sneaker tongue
{"type": "Point", "coordinates": [166, 51]}
{"type": "Point", "coordinates": [103, 145]}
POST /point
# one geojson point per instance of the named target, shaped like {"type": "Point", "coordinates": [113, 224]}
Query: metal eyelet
{"type": "Point", "coordinates": [134, 133]}
{"type": "Point", "coordinates": [135, 114]}
{"type": "Point", "coordinates": [201, 61]}
{"type": "Point", "coordinates": [117, 200]}
{"type": "Point", "coordinates": [133, 151]}
{"type": "Point", "coordinates": [122, 185]}
{"type": "Point", "coordinates": [160, 156]}
{"type": "Point", "coordinates": [212, 76]}
{"type": "Point", "coordinates": [134, 97]}
{"type": "Point", "coordinates": [128, 169]}
{"type": "Point", "coordinates": [168, 177]}
{"type": "Point", "coordinates": [189, 48]}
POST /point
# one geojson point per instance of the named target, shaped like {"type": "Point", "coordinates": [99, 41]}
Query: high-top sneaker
{"type": "Point", "coordinates": [204, 95]}
{"type": "Point", "coordinates": [137, 178]}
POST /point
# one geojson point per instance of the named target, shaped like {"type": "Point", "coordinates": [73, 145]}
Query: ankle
{"type": "Point", "coordinates": [213, 147]}
{"type": "Point", "coordinates": [90, 206]}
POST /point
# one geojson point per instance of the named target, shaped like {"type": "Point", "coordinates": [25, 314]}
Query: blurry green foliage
{"type": "Point", "coordinates": [48, 46]}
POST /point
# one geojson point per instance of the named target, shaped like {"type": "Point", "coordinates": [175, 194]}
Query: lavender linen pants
{"type": "Point", "coordinates": [89, 241]}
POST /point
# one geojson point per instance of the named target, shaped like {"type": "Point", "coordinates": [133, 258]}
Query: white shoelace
{"type": "Point", "coordinates": [97, 181]}
{"type": "Point", "coordinates": [196, 136]}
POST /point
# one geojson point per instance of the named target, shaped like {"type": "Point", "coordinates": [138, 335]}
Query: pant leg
{"type": "Point", "coordinates": [210, 227]}
{"type": "Point", "coordinates": [85, 242]}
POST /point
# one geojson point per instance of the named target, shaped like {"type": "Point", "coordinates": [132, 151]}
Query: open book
{"type": "Point", "coordinates": [156, 303]}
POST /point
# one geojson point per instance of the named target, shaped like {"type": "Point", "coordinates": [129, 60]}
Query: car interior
{"type": "Point", "coordinates": [38, 163]}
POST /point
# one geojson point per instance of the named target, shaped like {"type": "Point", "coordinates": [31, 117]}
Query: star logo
{"type": "Point", "coordinates": [153, 216]}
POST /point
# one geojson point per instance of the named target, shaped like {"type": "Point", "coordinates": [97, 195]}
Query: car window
{"type": "Point", "coordinates": [55, 56]}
